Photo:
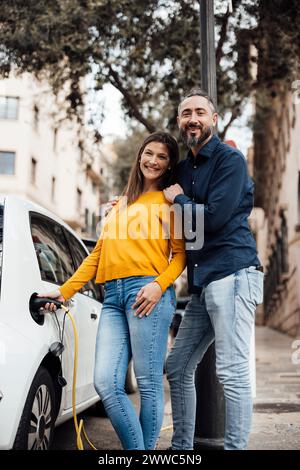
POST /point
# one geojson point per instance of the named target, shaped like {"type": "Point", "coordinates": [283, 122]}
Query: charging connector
{"type": "Point", "coordinates": [35, 305]}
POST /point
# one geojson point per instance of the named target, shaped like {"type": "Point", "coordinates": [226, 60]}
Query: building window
{"type": "Point", "coordinates": [79, 197]}
{"type": "Point", "coordinates": [94, 224]}
{"type": "Point", "coordinates": [81, 151]}
{"type": "Point", "coordinates": [36, 117]}
{"type": "Point", "coordinates": [55, 131]}
{"type": "Point", "coordinates": [9, 107]}
{"type": "Point", "coordinates": [7, 163]}
{"type": "Point", "coordinates": [53, 184]}
{"type": "Point", "coordinates": [87, 220]}
{"type": "Point", "coordinates": [33, 171]}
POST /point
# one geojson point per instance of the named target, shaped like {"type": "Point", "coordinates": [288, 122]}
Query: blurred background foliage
{"type": "Point", "coordinates": [150, 51]}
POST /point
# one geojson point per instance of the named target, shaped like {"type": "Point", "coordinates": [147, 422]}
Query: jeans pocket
{"type": "Point", "coordinates": [256, 284]}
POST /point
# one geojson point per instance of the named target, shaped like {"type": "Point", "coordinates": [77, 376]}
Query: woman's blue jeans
{"type": "Point", "coordinates": [121, 336]}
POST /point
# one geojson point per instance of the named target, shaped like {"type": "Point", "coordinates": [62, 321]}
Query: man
{"type": "Point", "coordinates": [224, 276]}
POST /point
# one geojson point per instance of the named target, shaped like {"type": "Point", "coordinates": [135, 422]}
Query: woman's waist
{"type": "Point", "coordinates": [108, 272]}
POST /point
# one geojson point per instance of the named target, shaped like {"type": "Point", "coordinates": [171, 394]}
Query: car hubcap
{"type": "Point", "coordinates": [41, 420]}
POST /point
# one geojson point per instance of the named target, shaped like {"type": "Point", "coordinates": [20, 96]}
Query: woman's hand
{"type": "Point", "coordinates": [146, 299]}
{"type": "Point", "coordinates": [56, 295]}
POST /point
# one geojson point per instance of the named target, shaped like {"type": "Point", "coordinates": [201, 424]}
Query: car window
{"type": "Point", "coordinates": [79, 254]}
{"type": "Point", "coordinates": [51, 248]}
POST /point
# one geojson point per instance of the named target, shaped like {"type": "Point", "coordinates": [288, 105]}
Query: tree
{"type": "Point", "coordinates": [149, 50]}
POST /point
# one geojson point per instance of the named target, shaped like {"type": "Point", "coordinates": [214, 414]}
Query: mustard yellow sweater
{"type": "Point", "coordinates": [136, 240]}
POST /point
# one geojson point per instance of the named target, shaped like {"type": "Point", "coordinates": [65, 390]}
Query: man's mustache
{"type": "Point", "coordinates": [194, 126]}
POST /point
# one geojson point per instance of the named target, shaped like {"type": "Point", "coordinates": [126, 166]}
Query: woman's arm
{"type": "Point", "coordinates": [86, 271]}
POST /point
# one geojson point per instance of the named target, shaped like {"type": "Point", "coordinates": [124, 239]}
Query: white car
{"type": "Point", "coordinates": [38, 252]}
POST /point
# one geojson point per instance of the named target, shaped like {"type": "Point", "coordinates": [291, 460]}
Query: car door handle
{"type": "Point", "coordinates": [94, 316]}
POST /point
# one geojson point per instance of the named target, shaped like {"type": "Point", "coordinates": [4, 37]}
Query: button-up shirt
{"type": "Point", "coordinates": [216, 182]}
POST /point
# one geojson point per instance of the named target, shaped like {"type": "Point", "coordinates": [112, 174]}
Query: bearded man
{"type": "Point", "coordinates": [224, 276]}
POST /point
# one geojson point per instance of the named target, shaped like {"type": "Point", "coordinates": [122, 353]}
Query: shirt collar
{"type": "Point", "coordinates": [206, 151]}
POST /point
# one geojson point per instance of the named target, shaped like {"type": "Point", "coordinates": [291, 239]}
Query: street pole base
{"type": "Point", "coordinates": [202, 443]}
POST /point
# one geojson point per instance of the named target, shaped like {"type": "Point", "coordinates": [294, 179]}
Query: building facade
{"type": "Point", "coordinates": [277, 221]}
{"type": "Point", "coordinates": [46, 158]}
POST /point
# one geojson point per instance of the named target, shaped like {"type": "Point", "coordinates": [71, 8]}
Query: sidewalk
{"type": "Point", "coordinates": [276, 418]}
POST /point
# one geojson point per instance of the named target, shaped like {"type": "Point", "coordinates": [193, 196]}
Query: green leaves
{"type": "Point", "coordinates": [148, 49]}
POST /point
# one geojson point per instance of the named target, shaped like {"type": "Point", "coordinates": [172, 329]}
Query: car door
{"type": "Point", "coordinates": [56, 266]}
{"type": "Point", "coordinates": [87, 303]}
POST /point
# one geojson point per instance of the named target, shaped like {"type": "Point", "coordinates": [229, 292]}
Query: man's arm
{"type": "Point", "coordinates": [224, 193]}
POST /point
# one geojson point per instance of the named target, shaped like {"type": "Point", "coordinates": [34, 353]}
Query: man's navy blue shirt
{"type": "Point", "coordinates": [216, 181]}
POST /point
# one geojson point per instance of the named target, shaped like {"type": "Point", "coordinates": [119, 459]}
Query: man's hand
{"type": "Point", "coordinates": [110, 205]}
{"type": "Point", "coordinates": [172, 191]}
{"type": "Point", "coordinates": [146, 299]}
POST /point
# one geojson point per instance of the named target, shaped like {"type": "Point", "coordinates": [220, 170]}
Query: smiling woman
{"type": "Point", "coordinates": [153, 164]}
{"type": "Point", "coordinates": [153, 169]}
{"type": "Point", "coordinates": [139, 300]}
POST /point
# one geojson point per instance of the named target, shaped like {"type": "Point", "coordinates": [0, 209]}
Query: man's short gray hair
{"type": "Point", "coordinates": [199, 92]}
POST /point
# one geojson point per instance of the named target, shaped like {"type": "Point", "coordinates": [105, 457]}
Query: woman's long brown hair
{"type": "Point", "coordinates": [135, 184]}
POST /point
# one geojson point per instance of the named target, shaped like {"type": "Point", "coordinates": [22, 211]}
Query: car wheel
{"type": "Point", "coordinates": [36, 426]}
{"type": "Point", "coordinates": [99, 410]}
{"type": "Point", "coordinates": [130, 382]}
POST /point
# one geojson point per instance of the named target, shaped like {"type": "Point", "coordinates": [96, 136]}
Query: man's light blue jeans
{"type": "Point", "coordinates": [121, 336]}
{"type": "Point", "coordinates": [223, 312]}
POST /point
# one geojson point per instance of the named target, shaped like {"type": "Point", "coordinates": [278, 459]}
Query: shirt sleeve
{"type": "Point", "coordinates": [224, 193]}
{"type": "Point", "coordinates": [178, 256]}
{"type": "Point", "coordinates": [86, 271]}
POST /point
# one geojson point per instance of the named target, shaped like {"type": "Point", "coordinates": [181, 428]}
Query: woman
{"type": "Point", "coordinates": [132, 259]}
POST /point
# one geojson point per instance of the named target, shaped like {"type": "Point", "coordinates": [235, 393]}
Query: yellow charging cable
{"type": "Point", "coordinates": [79, 428]}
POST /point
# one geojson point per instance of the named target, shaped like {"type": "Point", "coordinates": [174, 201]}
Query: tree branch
{"type": "Point", "coordinates": [234, 114]}
{"type": "Point", "coordinates": [129, 100]}
{"type": "Point", "coordinates": [223, 32]}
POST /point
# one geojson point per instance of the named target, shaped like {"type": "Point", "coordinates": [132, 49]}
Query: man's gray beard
{"type": "Point", "coordinates": [194, 141]}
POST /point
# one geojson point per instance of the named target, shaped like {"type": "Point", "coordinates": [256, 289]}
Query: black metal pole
{"type": "Point", "coordinates": [210, 415]}
{"type": "Point", "coordinates": [207, 43]}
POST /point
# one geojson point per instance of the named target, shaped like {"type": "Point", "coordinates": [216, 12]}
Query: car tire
{"type": "Point", "coordinates": [35, 431]}
{"type": "Point", "coordinates": [99, 410]}
{"type": "Point", "coordinates": [130, 382]}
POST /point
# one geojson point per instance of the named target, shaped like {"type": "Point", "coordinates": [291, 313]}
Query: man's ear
{"type": "Point", "coordinates": [215, 119]}
{"type": "Point", "coordinates": [178, 121]}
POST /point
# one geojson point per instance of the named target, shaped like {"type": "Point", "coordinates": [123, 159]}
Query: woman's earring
{"type": "Point", "coordinates": [169, 168]}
